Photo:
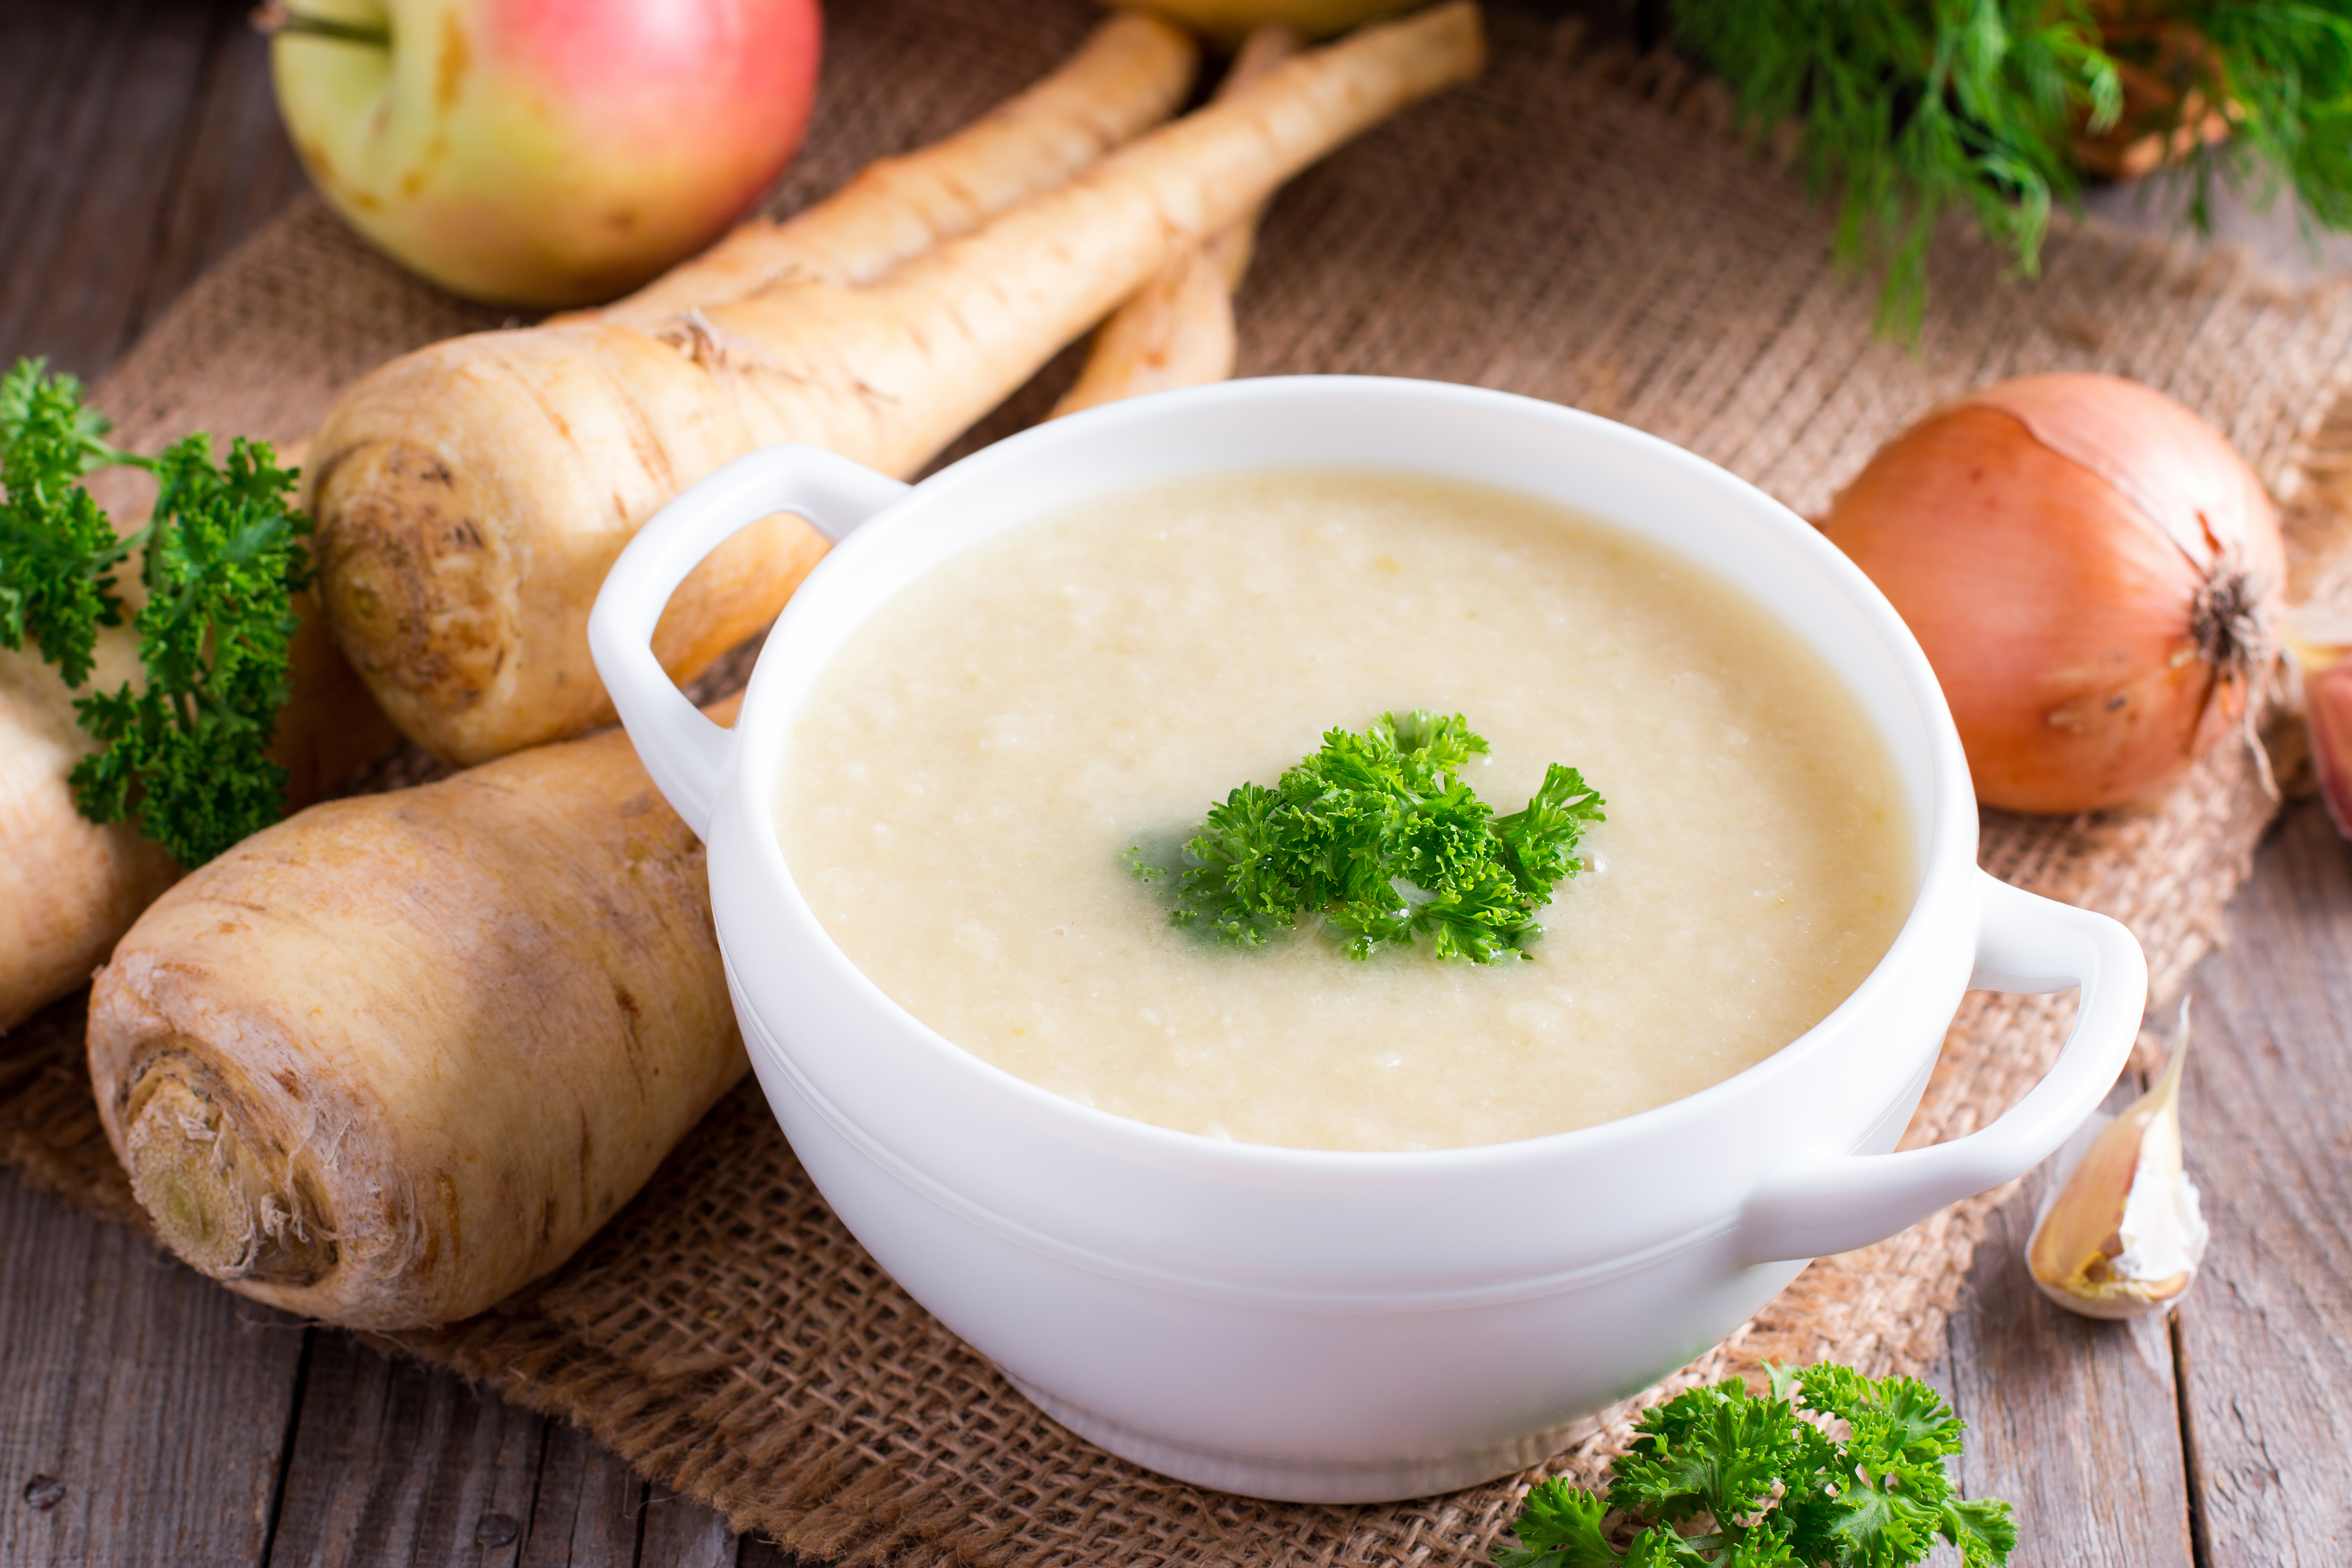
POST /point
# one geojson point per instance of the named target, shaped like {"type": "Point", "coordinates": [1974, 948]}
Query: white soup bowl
{"type": "Point", "coordinates": [1310, 1324]}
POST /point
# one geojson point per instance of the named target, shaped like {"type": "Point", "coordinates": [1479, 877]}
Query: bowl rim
{"type": "Point", "coordinates": [1945, 875]}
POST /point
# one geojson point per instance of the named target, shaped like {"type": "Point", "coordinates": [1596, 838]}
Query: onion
{"type": "Point", "coordinates": [2092, 571]}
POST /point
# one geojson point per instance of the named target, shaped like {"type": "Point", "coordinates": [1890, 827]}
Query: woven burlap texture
{"type": "Point", "coordinates": [1580, 225]}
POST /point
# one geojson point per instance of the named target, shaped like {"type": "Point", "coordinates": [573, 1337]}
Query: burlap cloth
{"type": "Point", "coordinates": [1580, 226]}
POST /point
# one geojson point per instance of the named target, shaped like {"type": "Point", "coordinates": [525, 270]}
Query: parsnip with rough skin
{"type": "Point", "coordinates": [472, 496]}
{"type": "Point", "coordinates": [1178, 331]}
{"type": "Point", "coordinates": [1230, 19]}
{"type": "Point", "coordinates": [1132, 74]}
{"type": "Point", "coordinates": [70, 887]}
{"type": "Point", "coordinates": [399, 1055]}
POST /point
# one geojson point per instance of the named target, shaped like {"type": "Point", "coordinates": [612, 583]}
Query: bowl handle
{"type": "Point", "coordinates": [1828, 1203]}
{"type": "Point", "coordinates": [687, 753]}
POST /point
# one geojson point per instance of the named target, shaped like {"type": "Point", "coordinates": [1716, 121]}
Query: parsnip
{"type": "Point", "coordinates": [472, 496]}
{"type": "Point", "coordinates": [1131, 75]}
{"type": "Point", "coordinates": [1229, 19]}
{"type": "Point", "coordinates": [69, 889]}
{"type": "Point", "coordinates": [399, 1055]}
{"type": "Point", "coordinates": [1178, 331]}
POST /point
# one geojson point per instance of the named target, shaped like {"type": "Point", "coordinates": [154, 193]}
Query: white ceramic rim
{"type": "Point", "coordinates": [1948, 841]}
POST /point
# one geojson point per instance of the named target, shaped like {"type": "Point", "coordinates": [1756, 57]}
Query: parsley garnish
{"type": "Point", "coordinates": [1720, 1479]}
{"type": "Point", "coordinates": [1378, 835]}
{"type": "Point", "coordinates": [187, 756]}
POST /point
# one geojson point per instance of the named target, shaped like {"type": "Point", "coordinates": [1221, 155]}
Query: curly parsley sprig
{"type": "Point", "coordinates": [1720, 1479]}
{"type": "Point", "coordinates": [186, 754]}
{"type": "Point", "coordinates": [1378, 835]}
{"type": "Point", "coordinates": [57, 552]}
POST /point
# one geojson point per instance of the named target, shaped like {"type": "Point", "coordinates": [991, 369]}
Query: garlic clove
{"type": "Point", "coordinates": [2321, 650]}
{"type": "Point", "coordinates": [2122, 1233]}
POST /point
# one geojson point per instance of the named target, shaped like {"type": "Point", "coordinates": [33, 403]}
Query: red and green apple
{"type": "Point", "coordinates": [544, 152]}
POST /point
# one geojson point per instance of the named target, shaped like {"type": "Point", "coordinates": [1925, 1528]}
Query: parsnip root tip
{"type": "Point", "coordinates": [212, 1200]}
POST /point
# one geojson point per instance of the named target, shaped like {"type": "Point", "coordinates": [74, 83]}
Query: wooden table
{"type": "Point", "coordinates": [148, 1417]}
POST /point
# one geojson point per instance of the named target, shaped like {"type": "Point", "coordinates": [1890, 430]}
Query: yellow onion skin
{"type": "Point", "coordinates": [2095, 573]}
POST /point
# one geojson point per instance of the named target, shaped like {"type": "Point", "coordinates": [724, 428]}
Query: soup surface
{"type": "Point", "coordinates": [964, 778]}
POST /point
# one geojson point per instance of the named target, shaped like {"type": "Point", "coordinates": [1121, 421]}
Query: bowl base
{"type": "Point", "coordinates": [1305, 1481]}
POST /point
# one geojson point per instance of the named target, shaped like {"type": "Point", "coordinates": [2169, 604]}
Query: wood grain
{"type": "Point", "coordinates": [682, 1531]}
{"type": "Point", "coordinates": [2076, 1422]}
{"type": "Point", "coordinates": [144, 144]}
{"type": "Point", "coordinates": [142, 1408]}
{"type": "Point", "coordinates": [394, 1464]}
{"type": "Point", "coordinates": [98, 97]}
{"type": "Point", "coordinates": [589, 1511]}
{"type": "Point", "coordinates": [2265, 1337]}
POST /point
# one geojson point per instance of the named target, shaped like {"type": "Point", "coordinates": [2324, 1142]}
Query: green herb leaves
{"type": "Point", "coordinates": [186, 752]}
{"type": "Point", "coordinates": [1378, 835]}
{"type": "Point", "coordinates": [190, 754]}
{"type": "Point", "coordinates": [57, 549]}
{"type": "Point", "coordinates": [1719, 1478]}
{"type": "Point", "coordinates": [1915, 107]}
{"type": "Point", "coordinates": [2284, 68]}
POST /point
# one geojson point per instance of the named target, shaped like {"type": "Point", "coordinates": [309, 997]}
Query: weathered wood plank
{"type": "Point", "coordinates": [590, 1509]}
{"type": "Point", "coordinates": [393, 1464]}
{"type": "Point", "coordinates": [2075, 1422]}
{"type": "Point", "coordinates": [2265, 1339]}
{"type": "Point", "coordinates": [142, 1408]}
{"type": "Point", "coordinates": [686, 1533]}
{"type": "Point", "coordinates": [101, 97]}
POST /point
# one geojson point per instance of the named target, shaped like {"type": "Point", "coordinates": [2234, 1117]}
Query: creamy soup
{"type": "Point", "coordinates": [964, 778]}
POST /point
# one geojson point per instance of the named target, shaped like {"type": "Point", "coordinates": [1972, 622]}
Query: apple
{"type": "Point", "coordinates": [543, 152]}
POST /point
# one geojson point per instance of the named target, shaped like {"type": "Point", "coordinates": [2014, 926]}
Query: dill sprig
{"type": "Point", "coordinates": [1911, 108]}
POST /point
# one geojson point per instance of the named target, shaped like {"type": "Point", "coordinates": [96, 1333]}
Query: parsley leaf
{"type": "Point", "coordinates": [58, 552]}
{"type": "Point", "coordinates": [1378, 836]}
{"type": "Point", "coordinates": [184, 753]}
{"type": "Point", "coordinates": [1559, 1527]}
{"type": "Point", "coordinates": [1718, 1478]}
{"type": "Point", "coordinates": [190, 754]}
